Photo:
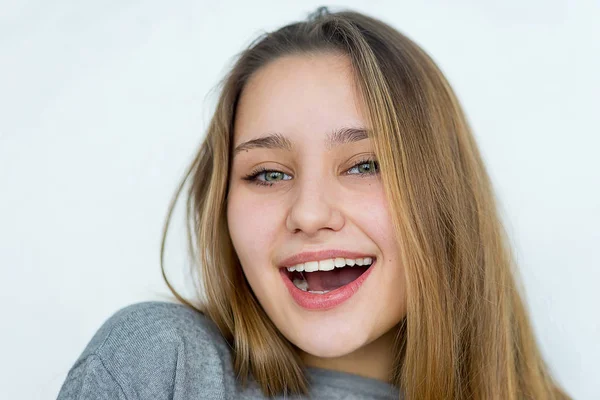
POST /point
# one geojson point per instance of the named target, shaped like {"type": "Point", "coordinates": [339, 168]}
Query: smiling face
{"type": "Point", "coordinates": [314, 193]}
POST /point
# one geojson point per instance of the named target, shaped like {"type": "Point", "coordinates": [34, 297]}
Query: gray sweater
{"type": "Point", "coordinates": [158, 350]}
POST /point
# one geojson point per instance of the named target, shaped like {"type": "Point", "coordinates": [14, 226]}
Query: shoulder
{"type": "Point", "coordinates": [149, 323]}
{"type": "Point", "coordinates": [162, 343]}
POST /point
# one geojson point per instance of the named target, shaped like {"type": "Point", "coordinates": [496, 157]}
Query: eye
{"type": "Point", "coordinates": [271, 176]}
{"type": "Point", "coordinates": [365, 167]}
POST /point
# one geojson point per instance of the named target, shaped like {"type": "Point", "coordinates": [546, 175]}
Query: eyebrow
{"type": "Point", "coordinates": [280, 142]}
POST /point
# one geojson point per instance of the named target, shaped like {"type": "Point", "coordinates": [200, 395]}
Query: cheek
{"type": "Point", "coordinates": [252, 229]}
{"type": "Point", "coordinates": [371, 213]}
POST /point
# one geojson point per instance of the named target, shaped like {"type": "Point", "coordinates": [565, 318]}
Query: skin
{"type": "Point", "coordinates": [318, 200]}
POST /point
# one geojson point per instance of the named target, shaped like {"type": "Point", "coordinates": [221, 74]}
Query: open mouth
{"type": "Point", "coordinates": [324, 281]}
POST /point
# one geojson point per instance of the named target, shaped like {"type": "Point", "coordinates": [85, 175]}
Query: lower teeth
{"type": "Point", "coordinates": [303, 285]}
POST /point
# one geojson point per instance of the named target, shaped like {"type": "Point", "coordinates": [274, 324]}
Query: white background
{"type": "Point", "coordinates": [103, 104]}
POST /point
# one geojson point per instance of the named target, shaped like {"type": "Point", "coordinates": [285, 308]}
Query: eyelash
{"type": "Point", "coordinates": [254, 174]}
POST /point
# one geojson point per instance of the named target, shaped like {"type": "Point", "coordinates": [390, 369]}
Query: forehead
{"type": "Point", "coordinates": [302, 96]}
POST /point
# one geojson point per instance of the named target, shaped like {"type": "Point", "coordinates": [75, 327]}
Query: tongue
{"type": "Point", "coordinates": [330, 280]}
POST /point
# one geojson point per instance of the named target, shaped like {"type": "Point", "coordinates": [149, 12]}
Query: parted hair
{"type": "Point", "coordinates": [467, 333]}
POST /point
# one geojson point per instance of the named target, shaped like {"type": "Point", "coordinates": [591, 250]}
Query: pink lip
{"type": "Point", "coordinates": [312, 301]}
{"type": "Point", "coordinates": [320, 255]}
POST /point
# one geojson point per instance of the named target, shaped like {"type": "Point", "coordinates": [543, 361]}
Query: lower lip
{"type": "Point", "coordinates": [313, 301]}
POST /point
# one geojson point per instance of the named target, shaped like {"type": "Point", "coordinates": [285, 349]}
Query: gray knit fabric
{"type": "Point", "coordinates": [158, 350]}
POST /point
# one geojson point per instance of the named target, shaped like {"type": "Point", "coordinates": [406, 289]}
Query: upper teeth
{"type": "Point", "coordinates": [328, 265]}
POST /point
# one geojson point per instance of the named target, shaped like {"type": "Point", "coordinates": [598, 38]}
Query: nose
{"type": "Point", "coordinates": [315, 207]}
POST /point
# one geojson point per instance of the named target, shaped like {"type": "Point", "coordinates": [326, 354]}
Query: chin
{"type": "Point", "coordinates": [325, 349]}
{"type": "Point", "coordinates": [328, 342]}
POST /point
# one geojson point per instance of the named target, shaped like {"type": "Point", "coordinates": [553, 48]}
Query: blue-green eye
{"type": "Point", "coordinates": [372, 167]}
{"type": "Point", "coordinates": [271, 176]}
{"type": "Point", "coordinates": [365, 167]}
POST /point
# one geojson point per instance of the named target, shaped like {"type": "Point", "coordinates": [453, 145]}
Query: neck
{"type": "Point", "coordinates": [374, 360]}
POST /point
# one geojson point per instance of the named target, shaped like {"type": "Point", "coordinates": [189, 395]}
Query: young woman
{"type": "Point", "coordinates": [348, 241]}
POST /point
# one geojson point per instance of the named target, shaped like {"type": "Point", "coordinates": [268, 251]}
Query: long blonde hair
{"type": "Point", "coordinates": [466, 333]}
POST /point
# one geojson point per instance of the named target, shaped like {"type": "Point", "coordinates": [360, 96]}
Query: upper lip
{"type": "Point", "coordinates": [321, 255]}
